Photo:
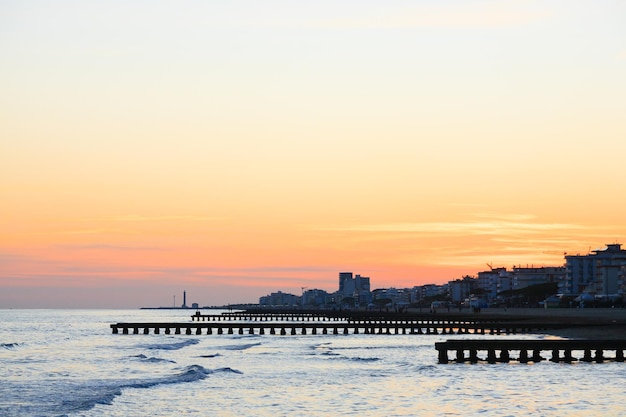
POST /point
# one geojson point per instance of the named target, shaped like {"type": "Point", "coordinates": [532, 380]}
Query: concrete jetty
{"type": "Point", "coordinates": [296, 322]}
{"type": "Point", "coordinates": [525, 351]}
{"type": "Point", "coordinates": [571, 323]}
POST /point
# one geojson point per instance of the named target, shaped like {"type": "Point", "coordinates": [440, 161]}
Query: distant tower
{"type": "Point", "coordinates": [184, 299]}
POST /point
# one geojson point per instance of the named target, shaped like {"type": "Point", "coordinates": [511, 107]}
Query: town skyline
{"type": "Point", "coordinates": [232, 149]}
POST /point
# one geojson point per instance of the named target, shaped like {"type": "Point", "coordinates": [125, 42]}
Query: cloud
{"type": "Point", "coordinates": [493, 227]}
{"type": "Point", "coordinates": [136, 218]}
{"type": "Point", "coordinates": [500, 239]}
{"type": "Point", "coordinates": [107, 247]}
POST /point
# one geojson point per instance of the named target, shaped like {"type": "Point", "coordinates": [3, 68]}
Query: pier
{"type": "Point", "coordinates": [298, 323]}
{"type": "Point", "coordinates": [525, 351]}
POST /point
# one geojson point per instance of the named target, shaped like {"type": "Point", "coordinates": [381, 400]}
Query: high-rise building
{"type": "Point", "coordinates": [599, 273]}
{"type": "Point", "coordinates": [357, 287]}
{"type": "Point", "coordinates": [346, 286]}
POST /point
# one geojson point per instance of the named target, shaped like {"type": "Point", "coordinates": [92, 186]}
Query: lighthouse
{"type": "Point", "coordinates": [184, 300]}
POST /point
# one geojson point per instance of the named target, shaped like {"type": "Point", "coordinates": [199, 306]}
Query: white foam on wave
{"type": "Point", "coordinates": [171, 346]}
{"type": "Point", "coordinates": [74, 397]}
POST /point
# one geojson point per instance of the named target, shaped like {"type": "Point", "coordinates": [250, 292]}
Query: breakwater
{"type": "Point", "coordinates": [306, 323]}
{"type": "Point", "coordinates": [525, 351]}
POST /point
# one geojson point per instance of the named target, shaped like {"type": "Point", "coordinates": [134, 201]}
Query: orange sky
{"type": "Point", "coordinates": [233, 151]}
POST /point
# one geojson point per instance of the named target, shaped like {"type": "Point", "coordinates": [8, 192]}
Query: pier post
{"type": "Point", "coordinates": [523, 356]}
{"type": "Point", "coordinates": [443, 355]}
{"type": "Point", "coordinates": [504, 356]}
{"type": "Point", "coordinates": [460, 356]}
{"type": "Point", "coordinates": [491, 356]}
{"type": "Point", "coordinates": [599, 356]}
{"type": "Point", "coordinates": [157, 330]}
{"type": "Point", "coordinates": [115, 331]}
{"type": "Point", "coordinates": [555, 356]}
{"type": "Point", "coordinates": [261, 330]}
{"type": "Point", "coordinates": [587, 357]}
{"type": "Point", "coordinates": [198, 330]}
{"type": "Point", "coordinates": [125, 330]}
{"type": "Point", "coordinates": [537, 356]}
{"type": "Point", "coordinates": [619, 355]}
{"type": "Point", "coordinates": [220, 331]}
{"type": "Point", "coordinates": [473, 356]}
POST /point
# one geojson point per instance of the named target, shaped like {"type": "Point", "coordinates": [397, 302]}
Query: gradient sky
{"type": "Point", "coordinates": [236, 148]}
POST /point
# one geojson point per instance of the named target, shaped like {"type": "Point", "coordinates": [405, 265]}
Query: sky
{"type": "Point", "coordinates": [234, 149]}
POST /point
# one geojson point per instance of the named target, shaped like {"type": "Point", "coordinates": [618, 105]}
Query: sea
{"type": "Point", "coordinates": [68, 363]}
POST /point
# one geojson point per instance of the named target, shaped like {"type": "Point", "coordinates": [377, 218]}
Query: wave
{"type": "Point", "coordinates": [242, 347]}
{"type": "Point", "coordinates": [359, 359]}
{"type": "Point", "coordinates": [9, 345]}
{"type": "Point", "coordinates": [152, 359]}
{"type": "Point", "coordinates": [85, 397]}
{"type": "Point", "coordinates": [171, 346]}
{"type": "Point", "coordinates": [215, 355]}
{"type": "Point", "coordinates": [228, 370]}
{"type": "Point", "coordinates": [190, 374]}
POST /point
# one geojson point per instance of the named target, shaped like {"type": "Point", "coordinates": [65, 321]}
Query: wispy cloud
{"type": "Point", "coordinates": [501, 239]}
{"type": "Point", "coordinates": [94, 231]}
{"type": "Point", "coordinates": [108, 247]}
{"type": "Point", "coordinates": [138, 218]}
{"type": "Point", "coordinates": [493, 227]}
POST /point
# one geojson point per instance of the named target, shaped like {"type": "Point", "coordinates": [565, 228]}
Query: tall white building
{"type": "Point", "coordinates": [599, 273]}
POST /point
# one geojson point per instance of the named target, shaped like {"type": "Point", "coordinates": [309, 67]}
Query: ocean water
{"type": "Point", "coordinates": [68, 363]}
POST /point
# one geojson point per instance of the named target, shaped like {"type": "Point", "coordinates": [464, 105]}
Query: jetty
{"type": "Point", "coordinates": [341, 322]}
{"type": "Point", "coordinates": [527, 351]}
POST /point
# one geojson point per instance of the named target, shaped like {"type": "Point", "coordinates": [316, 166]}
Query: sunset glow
{"type": "Point", "coordinates": [232, 149]}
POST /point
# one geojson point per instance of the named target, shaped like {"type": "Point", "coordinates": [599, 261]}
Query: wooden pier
{"type": "Point", "coordinates": [503, 350]}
